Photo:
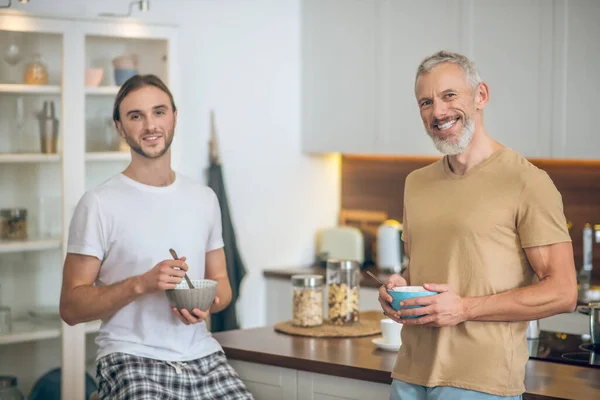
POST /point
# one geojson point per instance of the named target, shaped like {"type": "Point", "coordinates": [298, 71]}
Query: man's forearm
{"type": "Point", "coordinates": [223, 293]}
{"type": "Point", "coordinates": [542, 299]}
{"type": "Point", "coordinates": [88, 303]}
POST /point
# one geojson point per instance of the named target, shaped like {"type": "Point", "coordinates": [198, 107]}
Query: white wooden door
{"type": "Point", "coordinates": [339, 76]}
{"type": "Point", "coordinates": [511, 42]}
{"type": "Point", "coordinates": [411, 31]}
{"type": "Point", "coordinates": [267, 382]}
{"type": "Point", "coordinates": [312, 386]}
{"type": "Point", "coordinates": [279, 300]}
{"type": "Point", "coordinates": [576, 81]}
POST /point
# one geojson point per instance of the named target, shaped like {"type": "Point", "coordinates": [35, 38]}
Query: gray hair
{"type": "Point", "coordinates": [442, 57]}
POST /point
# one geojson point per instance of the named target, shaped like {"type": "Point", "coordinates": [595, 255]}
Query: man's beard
{"type": "Point", "coordinates": [135, 146]}
{"type": "Point", "coordinates": [450, 148]}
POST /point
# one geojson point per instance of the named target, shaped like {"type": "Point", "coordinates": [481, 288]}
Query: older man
{"type": "Point", "coordinates": [485, 229]}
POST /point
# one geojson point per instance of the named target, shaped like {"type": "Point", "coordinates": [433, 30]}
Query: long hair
{"type": "Point", "coordinates": [138, 82]}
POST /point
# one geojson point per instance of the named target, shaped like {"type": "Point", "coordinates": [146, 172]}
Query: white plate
{"type": "Point", "coordinates": [386, 346]}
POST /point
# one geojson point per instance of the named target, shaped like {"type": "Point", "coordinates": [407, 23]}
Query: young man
{"type": "Point", "coordinates": [480, 225]}
{"type": "Point", "coordinates": [118, 264]}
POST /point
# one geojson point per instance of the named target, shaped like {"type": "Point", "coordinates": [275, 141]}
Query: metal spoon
{"type": "Point", "coordinates": [190, 284]}
{"type": "Point", "coordinates": [376, 278]}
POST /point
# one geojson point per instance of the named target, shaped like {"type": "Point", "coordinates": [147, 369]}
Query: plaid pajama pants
{"type": "Point", "coordinates": [125, 376]}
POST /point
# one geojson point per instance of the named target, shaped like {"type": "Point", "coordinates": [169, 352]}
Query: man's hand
{"type": "Point", "coordinates": [385, 298]}
{"type": "Point", "coordinates": [195, 317]}
{"type": "Point", "coordinates": [165, 275]}
{"type": "Point", "coordinates": [443, 309]}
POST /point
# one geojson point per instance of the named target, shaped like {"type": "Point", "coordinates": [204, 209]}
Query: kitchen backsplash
{"type": "Point", "coordinates": [376, 183]}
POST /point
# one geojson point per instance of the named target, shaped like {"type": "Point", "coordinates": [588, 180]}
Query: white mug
{"type": "Point", "coordinates": [390, 330]}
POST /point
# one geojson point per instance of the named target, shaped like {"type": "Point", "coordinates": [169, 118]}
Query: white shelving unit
{"type": "Point", "coordinates": [13, 88]}
{"type": "Point", "coordinates": [49, 186]}
{"type": "Point", "coordinates": [20, 246]}
{"type": "Point", "coordinates": [102, 91]}
{"type": "Point", "coordinates": [28, 330]}
{"type": "Point", "coordinates": [108, 156]}
{"type": "Point", "coordinates": [29, 158]}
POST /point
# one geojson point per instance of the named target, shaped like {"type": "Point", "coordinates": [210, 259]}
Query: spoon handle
{"type": "Point", "coordinates": [376, 278]}
{"type": "Point", "coordinates": [187, 279]}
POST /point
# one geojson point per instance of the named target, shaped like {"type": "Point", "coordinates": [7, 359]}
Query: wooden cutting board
{"type": "Point", "coordinates": [368, 325]}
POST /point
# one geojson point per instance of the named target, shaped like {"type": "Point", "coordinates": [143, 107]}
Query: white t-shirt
{"type": "Point", "coordinates": [130, 227]}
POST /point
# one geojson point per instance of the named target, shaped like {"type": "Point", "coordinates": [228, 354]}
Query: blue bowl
{"type": "Point", "coordinates": [412, 291]}
{"type": "Point", "coordinates": [121, 75]}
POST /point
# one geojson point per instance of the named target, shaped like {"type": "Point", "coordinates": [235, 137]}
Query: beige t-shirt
{"type": "Point", "coordinates": [469, 232]}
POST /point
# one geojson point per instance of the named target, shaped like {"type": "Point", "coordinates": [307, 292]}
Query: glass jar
{"type": "Point", "coordinates": [9, 389]}
{"type": "Point", "coordinates": [36, 72]}
{"type": "Point", "coordinates": [307, 301]}
{"type": "Point", "coordinates": [343, 291]}
{"type": "Point", "coordinates": [13, 223]}
{"type": "Point", "coordinates": [5, 319]}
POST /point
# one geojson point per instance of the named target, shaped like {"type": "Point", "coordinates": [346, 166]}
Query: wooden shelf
{"type": "Point", "coordinates": [16, 158]}
{"type": "Point", "coordinates": [102, 90]}
{"type": "Point", "coordinates": [29, 330]}
{"type": "Point", "coordinates": [17, 246]}
{"type": "Point", "coordinates": [29, 89]}
{"type": "Point", "coordinates": [108, 156]}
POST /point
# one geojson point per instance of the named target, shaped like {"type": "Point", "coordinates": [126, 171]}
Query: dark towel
{"type": "Point", "coordinates": [227, 318]}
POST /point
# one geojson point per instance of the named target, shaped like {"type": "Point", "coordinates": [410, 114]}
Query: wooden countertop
{"type": "Point", "coordinates": [358, 358]}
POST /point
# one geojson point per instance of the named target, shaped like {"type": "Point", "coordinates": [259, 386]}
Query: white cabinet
{"type": "Point", "coordinates": [50, 185]}
{"type": "Point", "coordinates": [572, 323]}
{"type": "Point", "coordinates": [406, 39]}
{"type": "Point", "coordinates": [312, 386]}
{"type": "Point", "coordinates": [538, 57]}
{"type": "Point", "coordinates": [511, 42]}
{"type": "Point", "coordinates": [339, 75]}
{"type": "Point", "coordinates": [576, 81]}
{"type": "Point", "coordinates": [267, 382]}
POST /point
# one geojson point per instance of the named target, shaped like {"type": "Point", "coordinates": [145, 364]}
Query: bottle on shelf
{"type": "Point", "coordinates": [36, 72]}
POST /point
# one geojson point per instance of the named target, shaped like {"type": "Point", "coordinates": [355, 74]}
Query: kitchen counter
{"type": "Point", "coordinates": [359, 359]}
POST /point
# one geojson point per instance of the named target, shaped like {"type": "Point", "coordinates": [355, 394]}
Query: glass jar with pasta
{"type": "Point", "coordinates": [13, 223]}
{"type": "Point", "coordinates": [343, 291]}
{"type": "Point", "coordinates": [307, 300]}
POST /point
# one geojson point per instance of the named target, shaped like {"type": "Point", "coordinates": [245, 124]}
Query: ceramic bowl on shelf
{"type": "Point", "coordinates": [201, 296]}
{"type": "Point", "coordinates": [93, 76]}
{"type": "Point", "coordinates": [401, 293]}
{"type": "Point", "coordinates": [121, 75]}
{"type": "Point", "coordinates": [128, 61]}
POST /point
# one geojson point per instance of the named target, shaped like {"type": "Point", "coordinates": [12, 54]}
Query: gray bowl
{"type": "Point", "coordinates": [201, 297]}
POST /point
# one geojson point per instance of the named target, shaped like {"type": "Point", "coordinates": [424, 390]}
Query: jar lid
{"type": "Point", "coordinates": [8, 382]}
{"type": "Point", "coordinates": [307, 280]}
{"type": "Point", "coordinates": [14, 212]}
{"type": "Point", "coordinates": [342, 264]}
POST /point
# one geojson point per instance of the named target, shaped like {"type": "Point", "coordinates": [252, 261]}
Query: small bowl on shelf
{"type": "Point", "coordinates": [122, 75]}
{"type": "Point", "coordinates": [201, 296]}
{"type": "Point", "coordinates": [93, 76]}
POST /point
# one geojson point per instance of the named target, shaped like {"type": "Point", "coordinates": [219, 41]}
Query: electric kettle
{"type": "Point", "coordinates": [390, 246]}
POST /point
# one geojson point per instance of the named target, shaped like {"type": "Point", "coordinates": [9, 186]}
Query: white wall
{"type": "Point", "coordinates": [242, 59]}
